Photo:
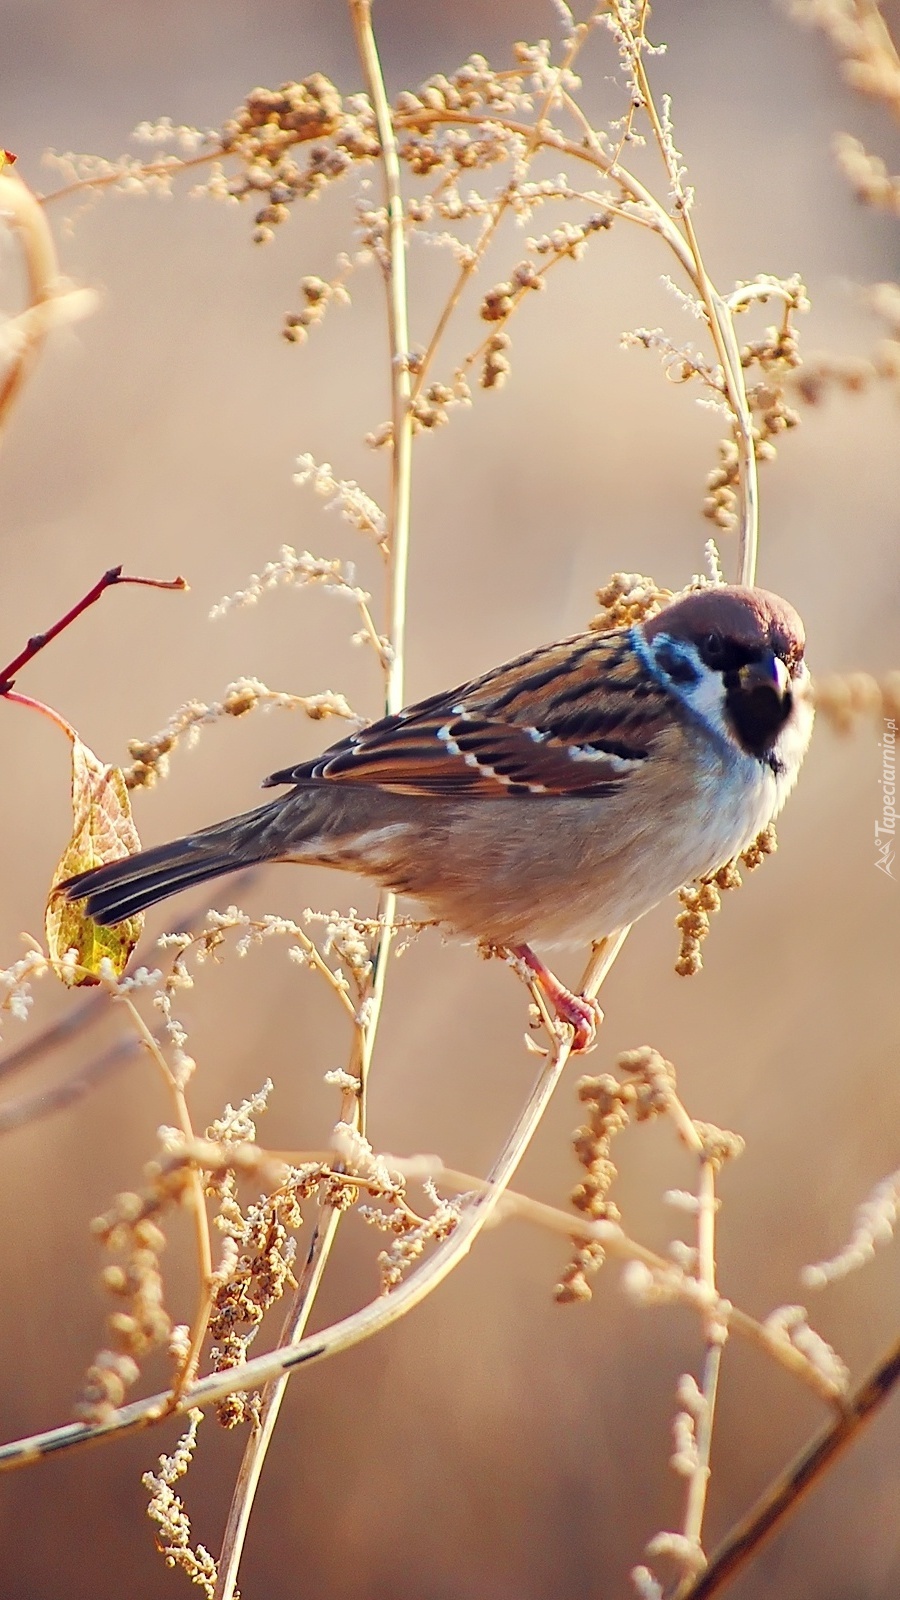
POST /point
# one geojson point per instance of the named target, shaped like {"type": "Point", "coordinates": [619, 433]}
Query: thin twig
{"type": "Point", "coordinates": [806, 1469]}
{"type": "Point", "coordinates": [28, 1108]}
{"type": "Point", "coordinates": [39, 641]}
{"type": "Point", "coordinates": [254, 1456]}
{"type": "Point", "coordinates": [372, 1318]}
{"type": "Point", "coordinates": [401, 463]}
{"type": "Point", "coordinates": [367, 1019]}
{"type": "Point", "coordinates": [61, 1031]}
{"type": "Point", "coordinates": [495, 1193]}
{"type": "Point", "coordinates": [687, 252]}
{"type": "Point", "coordinates": [76, 1020]}
{"type": "Point", "coordinates": [198, 1200]}
{"type": "Point", "coordinates": [716, 1334]}
{"type": "Point", "coordinates": [498, 210]}
{"type": "Point", "coordinates": [168, 166]}
{"type": "Point", "coordinates": [56, 717]}
{"type": "Point", "coordinates": [568, 1225]}
{"type": "Point", "coordinates": [552, 140]}
{"type": "Point", "coordinates": [719, 320]}
{"type": "Point", "coordinates": [19, 205]}
{"type": "Point", "coordinates": [615, 1243]}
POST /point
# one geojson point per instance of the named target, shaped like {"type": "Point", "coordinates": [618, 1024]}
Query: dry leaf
{"type": "Point", "coordinates": [103, 830]}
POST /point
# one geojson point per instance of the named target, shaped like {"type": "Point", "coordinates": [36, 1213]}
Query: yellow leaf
{"type": "Point", "coordinates": [103, 830]}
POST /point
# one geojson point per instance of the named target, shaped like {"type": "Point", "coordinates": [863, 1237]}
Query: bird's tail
{"type": "Point", "coordinates": [123, 888]}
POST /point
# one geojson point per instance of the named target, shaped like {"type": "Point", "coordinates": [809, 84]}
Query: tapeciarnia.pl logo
{"type": "Point", "coordinates": [886, 829]}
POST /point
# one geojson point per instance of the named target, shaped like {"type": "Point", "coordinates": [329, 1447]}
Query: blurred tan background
{"type": "Point", "coordinates": [494, 1444]}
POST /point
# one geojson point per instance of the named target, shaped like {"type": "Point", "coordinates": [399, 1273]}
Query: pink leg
{"type": "Point", "coordinates": [583, 1015]}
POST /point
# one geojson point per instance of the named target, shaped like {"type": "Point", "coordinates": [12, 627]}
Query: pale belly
{"type": "Point", "coordinates": [557, 872]}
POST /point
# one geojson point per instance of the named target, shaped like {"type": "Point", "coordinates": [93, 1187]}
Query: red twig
{"type": "Point", "coordinates": [39, 640]}
{"type": "Point", "coordinates": [38, 705]}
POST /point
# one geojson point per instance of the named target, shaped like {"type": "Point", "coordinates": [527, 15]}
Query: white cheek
{"type": "Point", "coordinates": [707, 698]}
{"type": "Point", "coordinates": [751, 796]}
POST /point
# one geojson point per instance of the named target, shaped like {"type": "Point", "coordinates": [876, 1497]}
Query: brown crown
{"type": "Point", "coordinates": [752, 618]}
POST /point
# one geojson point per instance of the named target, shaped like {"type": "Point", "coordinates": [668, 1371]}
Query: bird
{"type": "Point", "coordinates": [553, 800]}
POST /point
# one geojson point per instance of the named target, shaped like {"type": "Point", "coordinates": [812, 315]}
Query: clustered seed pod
{"type": "Point", "coordinates": [143, 1324]}
{"type": "Point", "coordinates": [607, 1103]}
{"type": "Point", "coordinates": [266, 130]}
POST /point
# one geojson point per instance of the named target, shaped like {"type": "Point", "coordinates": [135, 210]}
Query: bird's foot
{"type": "Point", "coordinates": [580, 1011]}
{"type": "Point", "coordinates": [584, 1015]}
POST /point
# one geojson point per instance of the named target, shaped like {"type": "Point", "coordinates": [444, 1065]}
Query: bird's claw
{"type": "Point", "coordinates": [580, 1011]}
{"type": "Point", "coordinates": [583, 1015]}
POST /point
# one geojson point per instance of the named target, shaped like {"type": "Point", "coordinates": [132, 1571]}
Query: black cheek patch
{"type": "Point", "coordinates": [757, 716]}
{"type": "Point", "coordinates": [676, 665]}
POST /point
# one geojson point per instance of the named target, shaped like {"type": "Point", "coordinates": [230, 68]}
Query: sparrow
{"type": "Point", "coordinates": [553, 800]}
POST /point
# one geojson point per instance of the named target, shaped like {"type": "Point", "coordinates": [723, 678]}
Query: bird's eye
{"type": "Point", "coordinates": [713, 649]}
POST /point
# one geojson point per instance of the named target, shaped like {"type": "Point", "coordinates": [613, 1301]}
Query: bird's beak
{"type": "Point", "coordinates": [770, 673]}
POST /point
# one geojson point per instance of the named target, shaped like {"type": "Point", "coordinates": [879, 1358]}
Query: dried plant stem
{"type": "Point", "coordinates": [341, 1336]}
{"type": "Point", "coordinates": [170, 165]}
{"type": "Point", "coordinates": [746, 293]}
{"type": "Point", "coordinates": [39, 252]}
{"type": "Point", "coordinates": [550, 139]}
{"type": "Point", "coordinates": [317, 962]}
{"type": "Point", "coordinates": [257, 1448]}
{"type": "Point", "coordinates": [373, 1317]}
{"type": "Point", "coordinates": [27, 1108]}
{"type": "Point", "coordinates": [727, 343]}
{"type": "Point", "coordinates": [719, 320]}
{"type": "Point", "coordinates": [367, 1019]}
{"type": "Point", "coordinates": [39, 641]}
{"type": "Point", "coordinates": [401, 389]}
{"type": "Point", "coordinates": [498, 210]}
{"type": "Point", "coordinates": [716, 1326]}
{"type": "Point", "coordinates": [373, 636]}
{"type": "Point", "coordinates": [616, 1244]}
{"type": "Point", "coordinates": [716, 1334]}
{"type": "Point", "coordinates": [781, 1497]}
{"type": "Point", "coordinates": [198, 1201]}
{"type": "Point", "coordinates": [302, 1302]}
{"type": "Point", "coordinates": [567, 1225]}
{"type": "Point", "coordinates": [497, 1202]}
{"type": "Point", "coordinates": [535, 136]}
{"type": "Point", "coordinates": [401, 462]}
{"type": "Point", "coordinates": [686, 249]}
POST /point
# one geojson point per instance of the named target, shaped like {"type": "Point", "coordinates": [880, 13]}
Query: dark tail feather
{"type": "Point", "coordinates": [123, 888]}
{"type": "Point", "coordinates": [111, 897]}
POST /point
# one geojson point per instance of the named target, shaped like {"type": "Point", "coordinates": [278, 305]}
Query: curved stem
{"type": "Point", "coordinates": [372, 1318]}
{"type": "Point", "coordinates": [782, 1496]}
{"type": "Point", "coordinates": [19, 206]}
{"type": "Point", "coordinates": [719, 320]}
{"type": "Point", "coordinates": [56, 717]}
{"type": "Point", "coordinates": [171, 165]}
{"type": "Point", "coordinates": [254, 1456]}
{"type": "Point", "coordinates": [367, 1018]}
{"type": "Point", "coordinates": [499, 208]}
{"type": "Point", "coordinates": [198, 1199]}
{"type": "Point", "coordinates": [716, 1333]}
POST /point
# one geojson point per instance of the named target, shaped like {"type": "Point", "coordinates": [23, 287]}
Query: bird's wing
{"type": "Point", "coordinates": [569, 718]}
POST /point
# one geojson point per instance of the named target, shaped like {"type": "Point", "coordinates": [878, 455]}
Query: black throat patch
{"type": "Point", "coordinates": [757, 714]}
